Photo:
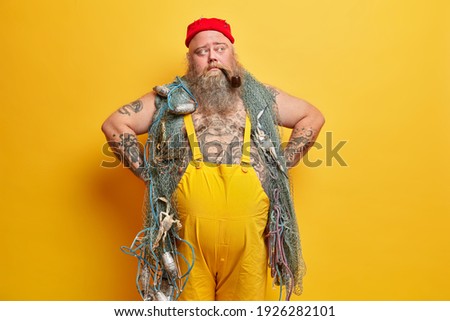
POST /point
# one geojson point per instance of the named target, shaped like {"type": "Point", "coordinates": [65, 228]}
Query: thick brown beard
{"type": "Point", "coordinates": [213, 91]}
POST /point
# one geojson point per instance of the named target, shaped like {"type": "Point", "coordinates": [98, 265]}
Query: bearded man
{"type": "Point", "coordinates": [218, 206]}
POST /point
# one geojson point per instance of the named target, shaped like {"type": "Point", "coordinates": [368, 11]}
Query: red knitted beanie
{"type": "Point", "coordinates": [203, 24]}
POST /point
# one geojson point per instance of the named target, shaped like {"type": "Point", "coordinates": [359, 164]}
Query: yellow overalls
{"type": "Point", "coordinates": [224, 210]}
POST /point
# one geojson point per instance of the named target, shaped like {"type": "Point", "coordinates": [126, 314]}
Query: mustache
{"type": "Point", "coordinates": [213, 65]}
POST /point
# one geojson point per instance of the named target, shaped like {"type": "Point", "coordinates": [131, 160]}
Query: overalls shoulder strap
{"type": "Point", "coordinates": [197, 156]}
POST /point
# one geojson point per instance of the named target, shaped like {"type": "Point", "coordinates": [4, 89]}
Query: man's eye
{"type": "Point", "coordinates": [202, 52]}
{"type": "Point", "coordinates": [220, 49]}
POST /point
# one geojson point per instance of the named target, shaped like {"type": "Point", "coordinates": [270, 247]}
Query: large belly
{"type": "Point", "coordinates": [220, 205]}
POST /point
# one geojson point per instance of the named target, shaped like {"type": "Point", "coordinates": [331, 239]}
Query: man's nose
{"type": "Point", "coordinates": [212, 56]}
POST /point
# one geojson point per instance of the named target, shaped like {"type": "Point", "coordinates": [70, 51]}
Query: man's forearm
{"type": "Point", "coordinates": [301, 140]}
{"type": "Point", "coordinates": [303, 136]}
{"type": "Point", "coordinates": [126, 148]}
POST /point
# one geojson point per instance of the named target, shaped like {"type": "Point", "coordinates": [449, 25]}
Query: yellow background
{"type": "Point", "coordinates": [377, 229]}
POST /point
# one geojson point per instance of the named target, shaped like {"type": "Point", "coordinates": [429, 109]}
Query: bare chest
{"type": "Point", "coordinates": [220, 136]}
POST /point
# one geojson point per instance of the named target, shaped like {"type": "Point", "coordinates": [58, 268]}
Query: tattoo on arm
{"type": "Point", "coordinates": [301, 140]}
{"type": "Point", "coordinates": [128, 151]}
{"type": "Point", "coordinates": [135, 106]}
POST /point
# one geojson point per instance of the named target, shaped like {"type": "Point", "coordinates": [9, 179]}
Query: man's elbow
{"type": "Point", "coordinates": [317, 118]}
{"type": "Point", "coordinates": [106, 127]}
{"type": "Point", "coordinates": [109, 128]}
{"type": "Point", "coordinates": [320, 119]}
